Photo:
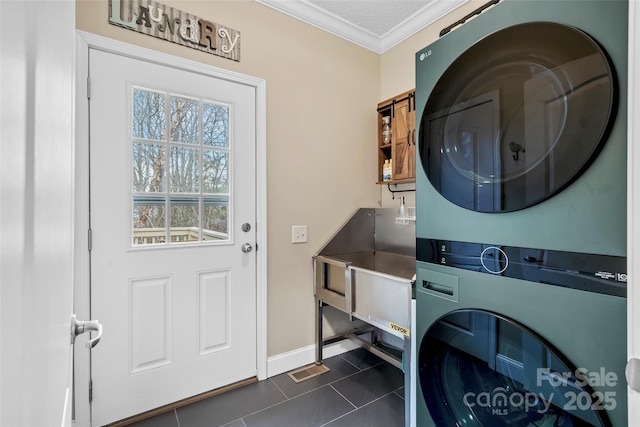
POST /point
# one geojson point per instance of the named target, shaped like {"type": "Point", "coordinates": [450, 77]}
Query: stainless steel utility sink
{"type": "Point", "coordinates": [367, 270]}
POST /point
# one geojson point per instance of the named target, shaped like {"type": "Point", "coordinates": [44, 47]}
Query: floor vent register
{"type": "Point", "coordinates": [308, 372]}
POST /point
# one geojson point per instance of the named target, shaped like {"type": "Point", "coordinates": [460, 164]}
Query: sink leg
{"type": "Point", "coordinates": [319, 332]}
{"type": "Point", "coordinates": [375, 339]}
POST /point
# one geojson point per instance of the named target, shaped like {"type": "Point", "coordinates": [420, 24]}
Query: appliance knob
{"type": "Point", "coordinates": [494, 260]}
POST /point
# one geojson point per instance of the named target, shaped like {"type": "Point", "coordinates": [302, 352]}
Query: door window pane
{"type": "Point", "coordinates": [184, 199]}
{"type": "Point", "coordinates": [215, 171]}
{"type": "Point", "coordinates": [215, 125]}
{"type": "Point", "coordinates": [185, 170]}
{"type": "Point", "coordinates": [148, 168]}
{"type": "Point", "coordinates": [149, 115]}
{"type": "Point", "coordinates": [185, 220]}
{"type": "Point", "coordinates": [214, 218]}
{"type": "Point", "coordinates": [185, 120]}
{"type": "Point", "coordinates": [149, 221]}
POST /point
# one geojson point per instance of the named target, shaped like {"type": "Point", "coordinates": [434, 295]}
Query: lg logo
{"type": "Point", "coordinates": [424, 55]}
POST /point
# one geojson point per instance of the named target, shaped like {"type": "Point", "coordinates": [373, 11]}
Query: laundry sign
{"type": "Point", "coordinates": [164, 22]}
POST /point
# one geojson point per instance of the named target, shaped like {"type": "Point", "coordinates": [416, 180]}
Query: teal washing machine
{"type": "Point", "coordinates": [521, 217]}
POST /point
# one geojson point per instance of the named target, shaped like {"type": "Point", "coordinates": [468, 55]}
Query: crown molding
{"type": "Point", "coordinates": [435, 10]}
{"type": "Point", "coordinates": [333, 24]}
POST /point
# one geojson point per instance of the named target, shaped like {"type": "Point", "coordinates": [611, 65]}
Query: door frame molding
{"type": "Point", "coordinates": [84, 42]}
{"type": "Point", "coordinates": [633, 204]}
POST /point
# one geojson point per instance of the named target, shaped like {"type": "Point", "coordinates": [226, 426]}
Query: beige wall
{"type": "Point", "coordinates": [322, 93]}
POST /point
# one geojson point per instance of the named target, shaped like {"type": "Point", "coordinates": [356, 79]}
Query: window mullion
{"type": "Point", "coordinates": [201, 169]}
{"type": "Point", "coordinates": [167, 151]}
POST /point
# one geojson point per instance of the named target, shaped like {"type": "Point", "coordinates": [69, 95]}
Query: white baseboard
{"type": "Point", "coordinates": [294, 359]}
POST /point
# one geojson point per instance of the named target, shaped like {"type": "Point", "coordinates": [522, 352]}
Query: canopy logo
{"type": "Point", "coordinates": [552, 391]}
{"type": "Point", "coordinates": [164, 22]}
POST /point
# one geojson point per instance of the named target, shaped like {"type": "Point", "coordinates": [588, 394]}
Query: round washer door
{"type": "Point", "coordinates": [478, 368]}
{"type": "Point", "coordinates": [517, 117]}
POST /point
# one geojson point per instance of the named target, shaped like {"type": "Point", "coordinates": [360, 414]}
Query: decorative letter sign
{"type": "Point", "coordinates": [164, 22]}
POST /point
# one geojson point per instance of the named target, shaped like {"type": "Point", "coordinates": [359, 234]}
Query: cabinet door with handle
{"type": "Point", "coordinates": [404, 148]}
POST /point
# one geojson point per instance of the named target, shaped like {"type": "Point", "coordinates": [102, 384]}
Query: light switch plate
{"type": "Point", "coordinates": [299, 234]}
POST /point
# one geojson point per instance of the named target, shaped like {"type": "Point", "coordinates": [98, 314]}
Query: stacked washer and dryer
{"type": "Point", "coordinates": [521, 218]}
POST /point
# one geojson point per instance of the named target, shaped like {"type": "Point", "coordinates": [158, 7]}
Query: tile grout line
{"type": "Point", "coordinates": [278, 387]}
{"type": "Point", "coordinates": [296, 397]}
{"type": "Point", "coordinates": [233, 422]}
{"type": "Point", "coordinates": [287, 399]}
{"type": "Point", "coordinates": [384, 395]}
{"type": "Point", "coordinates": [349, 362]}
{"type": "Point", "coordinates": [356, 409]}
{"type": "Point", "coordinates": [239, 419]}
{"type": "Point", "coordinates": [337, 418]}
{"type": "Point", "coordinates": [323, 385]}
{"type": "Point", "coordinates": [175, 412]}
{"type": "Point", "coordinates": [380, 362]}
{"type": "Point", "coordinates": [355, 373]}
{"type": "Point", "coordinates": [270, 406]}
{"type": "Point", "coordinates": [343, 396]}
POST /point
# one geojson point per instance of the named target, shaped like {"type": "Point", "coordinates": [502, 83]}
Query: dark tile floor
{"type": "Point", "coordinates": [360, 390]}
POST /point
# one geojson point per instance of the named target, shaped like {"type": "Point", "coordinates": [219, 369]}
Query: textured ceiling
{"type": "Point", "coordinates": [374, 24]}
{"type": "Point", "coordinates": [378, 17]}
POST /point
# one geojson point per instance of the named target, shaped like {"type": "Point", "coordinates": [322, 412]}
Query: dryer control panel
{"type": "Point", "coordinates": [603, 274]}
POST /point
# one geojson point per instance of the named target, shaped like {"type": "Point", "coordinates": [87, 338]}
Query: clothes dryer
{"type": "Point", "coordinates": [521, 217]}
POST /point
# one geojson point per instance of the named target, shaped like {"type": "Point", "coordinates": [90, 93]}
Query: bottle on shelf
{"type": "Point", "coordinates": [386, 170]}
{"type": "Point", "coordinates": [386, 130]}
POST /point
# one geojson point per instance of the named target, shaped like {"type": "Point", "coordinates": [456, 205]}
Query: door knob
{"type": "Point", "coordinates": [633, 374]}
{"type": "Point", "coordinates": [246, 248]}
{"type": "Point", "coordinates": [79, 327]}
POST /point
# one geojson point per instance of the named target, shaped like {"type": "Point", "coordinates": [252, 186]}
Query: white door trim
{"type": "Point", "coordinates": [633, 203]}
{"type": "Point", "coordinates": [85, 41]}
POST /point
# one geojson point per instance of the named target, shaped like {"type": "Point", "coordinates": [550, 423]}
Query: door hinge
{"type": "Point", "coordinates": [88, 87]}
{"type": "Point", "coordinates": [90, 239]}
{"type": "Point", "coordinates": [90, 391]}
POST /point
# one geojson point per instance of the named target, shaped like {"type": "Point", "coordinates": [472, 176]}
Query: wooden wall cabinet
{"type": "Point", "coordinates": [401, 149]}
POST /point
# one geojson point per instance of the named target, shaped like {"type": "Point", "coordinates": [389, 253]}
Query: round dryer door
{"type": "Point", "coordinates": [517, 117]}
{"type": "Point", "coordinates": [480, 369]}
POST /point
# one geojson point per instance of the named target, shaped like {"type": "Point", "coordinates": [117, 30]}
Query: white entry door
{"type": "Point", "coordinates": [173, 268]}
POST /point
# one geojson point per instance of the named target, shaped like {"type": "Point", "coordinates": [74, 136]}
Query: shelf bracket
{"type": "Point", "coordinates": [393, 192]}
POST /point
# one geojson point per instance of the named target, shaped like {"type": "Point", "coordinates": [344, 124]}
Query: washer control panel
{"type": "Point", "coordinates": [604, 274]}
